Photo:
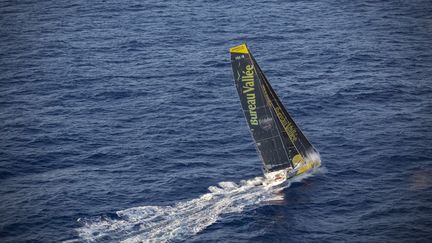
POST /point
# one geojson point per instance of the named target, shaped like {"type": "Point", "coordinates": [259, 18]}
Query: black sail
{"type": "Point", "coordinates": [258, 112]}
{"type": "Point", "coordinates": [279, 141]}
{"type": "Point", "coordinates": [290, 128]}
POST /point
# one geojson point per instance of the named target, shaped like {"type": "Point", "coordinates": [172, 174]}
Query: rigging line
{"type": "Point", "coordinates": [300, 143]}
{"type": "Point", "coordinates": [288, 154]}
{"type": "Point", "coordinates": [267, 110]}
{"type": "Point", "coordinates": [277, 127]}
{"type": "Point", "coordinates": [264, 139]}
{"type": "Point", "coordinates": [286, 114]}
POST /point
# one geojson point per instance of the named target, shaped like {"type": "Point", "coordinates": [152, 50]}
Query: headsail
{"type": "Point", "coordinates": [279, 141]}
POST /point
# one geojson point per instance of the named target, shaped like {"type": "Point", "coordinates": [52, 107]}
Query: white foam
{"type": "Point", "coordinates": [313, 156]}
{"type": "Point", "coordinates": [182, 220]}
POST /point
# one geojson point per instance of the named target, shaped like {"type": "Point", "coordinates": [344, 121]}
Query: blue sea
{"type": "Point", "coordinates": [120, 122]}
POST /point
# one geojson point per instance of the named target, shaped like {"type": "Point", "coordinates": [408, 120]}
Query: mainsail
{"type": "Point", "coordinates": [279, 141]}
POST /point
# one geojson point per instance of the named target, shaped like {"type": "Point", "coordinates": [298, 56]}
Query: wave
{"type": "Point", "coordinates": [184, 219]}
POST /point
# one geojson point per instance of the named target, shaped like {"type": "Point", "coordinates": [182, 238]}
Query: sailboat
{"type": "Point", "coordinates": [282, 147]}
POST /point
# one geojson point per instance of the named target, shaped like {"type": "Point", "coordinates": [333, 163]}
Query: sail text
{"type": "Point", "coordinates": [249, 90]}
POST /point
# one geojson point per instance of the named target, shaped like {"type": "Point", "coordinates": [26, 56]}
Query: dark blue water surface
{"type": "Point", "coordinates": [119, 121]}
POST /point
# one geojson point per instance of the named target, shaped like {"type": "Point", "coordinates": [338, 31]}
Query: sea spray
{"type": "Point", "coordinates": [184, 219]}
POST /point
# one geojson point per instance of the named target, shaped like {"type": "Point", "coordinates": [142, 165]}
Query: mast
{"type": "Point", "coordinates": [263, 123]}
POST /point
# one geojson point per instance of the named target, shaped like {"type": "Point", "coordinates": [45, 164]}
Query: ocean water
{"type": "Point", "coordinates": [119, 121]}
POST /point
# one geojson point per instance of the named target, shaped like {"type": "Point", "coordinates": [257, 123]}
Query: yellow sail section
{"type": "Point", "coordinates": [240, 49]}
{"type": "Point", "coordinates": [308, 166]}
{"type": "Point", "coordinates": [297, 159]}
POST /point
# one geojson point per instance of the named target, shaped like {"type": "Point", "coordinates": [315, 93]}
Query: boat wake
{"type": "Point", "coordinates": [184, 219]}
